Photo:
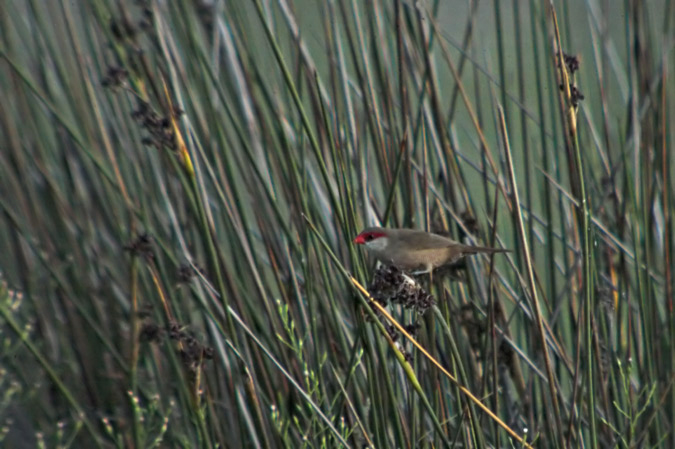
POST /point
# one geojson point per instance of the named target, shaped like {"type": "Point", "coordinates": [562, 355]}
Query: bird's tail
{"type": "Point", "coordinates": [484, 249]}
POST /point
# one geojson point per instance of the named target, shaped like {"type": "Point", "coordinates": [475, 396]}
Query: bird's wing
{"type": "Point", "coordinates": [424, 240]}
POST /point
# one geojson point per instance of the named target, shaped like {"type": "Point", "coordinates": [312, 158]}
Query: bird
{"type": "Point", "coordinates": [415, 251]}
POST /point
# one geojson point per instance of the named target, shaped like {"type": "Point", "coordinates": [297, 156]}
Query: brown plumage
{"type": "Point", "coordinates": [416, 251]}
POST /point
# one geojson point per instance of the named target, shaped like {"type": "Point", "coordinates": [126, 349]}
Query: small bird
{"type": "Point", "coordinates": [416, 251]}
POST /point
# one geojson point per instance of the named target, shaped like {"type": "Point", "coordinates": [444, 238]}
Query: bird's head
{"type": "Point", "coordinates": [373, 238]}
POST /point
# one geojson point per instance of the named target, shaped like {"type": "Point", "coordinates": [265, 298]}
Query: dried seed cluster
{"type": "Point", "coordinates": [191, 350]}
{"type": "Point", "coordinates": [125, 29]}
{"type": "Point", "coordinates": [476, 327]}
{"type": "Point", "coordinates": [391, 286]}
{"type": "Point", "coordinates": [193, 353]}
{"type": "Point", "coordinates": [572, 63]}
{"type": "Point", "coordinates": [161, 134]}
{"type": "Point", "coordinates": [115, 77]}
{"type": "Point", "coordinates": [470, 223]}
{"type": "Point", "coordinates": [186, 272]}
{"type": "Point", "coordinates": [141, 246]}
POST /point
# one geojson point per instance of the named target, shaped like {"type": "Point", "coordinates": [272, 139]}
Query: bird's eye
{"type": "Point", "coordinates": [369, 237]}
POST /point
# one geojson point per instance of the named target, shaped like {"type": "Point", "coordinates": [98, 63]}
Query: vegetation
{"type": "Point", "coordinates": [181, 181]}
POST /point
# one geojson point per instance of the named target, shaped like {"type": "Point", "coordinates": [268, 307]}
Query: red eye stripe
{"type": "Point", "coordinates": [366, 237]}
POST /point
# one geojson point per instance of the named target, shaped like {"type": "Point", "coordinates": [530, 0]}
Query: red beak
{"type": "Point", "coordinates": [359, 240]}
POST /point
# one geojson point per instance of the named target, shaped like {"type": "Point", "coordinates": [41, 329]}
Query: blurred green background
{"type": "Point", "coordinates": [180, 184]}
